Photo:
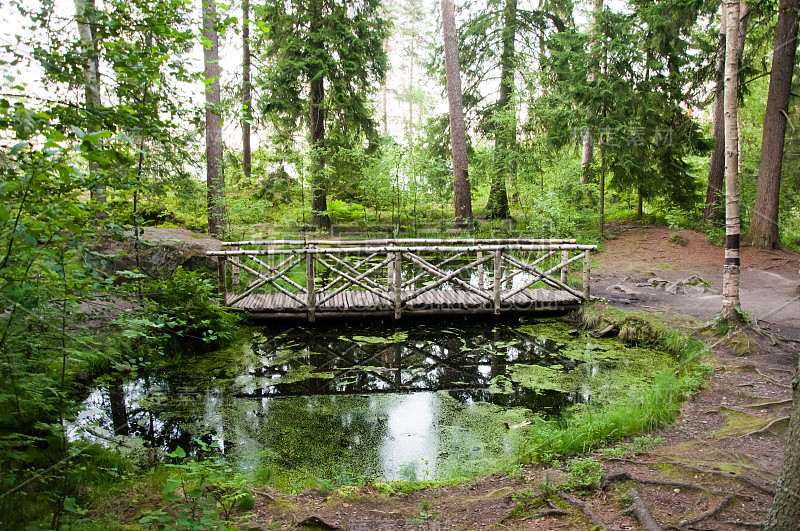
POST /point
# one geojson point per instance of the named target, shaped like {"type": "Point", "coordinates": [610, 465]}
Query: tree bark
{"type": "Point", "coordinates": [785, 512]}
{"type": "Point", "coordinates": [319, 192]}
{"type": "Point", "coordinates": [730, 277]}
{"type": "Point", "coordinates": [91, 75]}
{"type": "Point", "coordinates": [763, 230]}
{"type": "Point", "coordinates": [247, 96]}
{"type": "Point", "coordinates": [458, 137]}
{"type": "Point", "coordinates": [497, 205]}
{"type": "Point", "coordinates": [215, 178]}
{"type": "Point", "coordinates": [716, 167]}
{"type": "Point", "coordinates": [587, 151]}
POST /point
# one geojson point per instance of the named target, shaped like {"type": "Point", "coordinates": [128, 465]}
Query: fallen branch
{"type": "Point", "coordinates": [766, 489]}
{"type": "Point", "coordinates": [90, 431]}
{"type": "Point", "coordinates": [585, 509]}
{"type": "Point", "coordinates": [708, 514]}
{"type": "Point", "coordinates": [642, 513]}
{"type": "Point", "coordinates": [765, 428]}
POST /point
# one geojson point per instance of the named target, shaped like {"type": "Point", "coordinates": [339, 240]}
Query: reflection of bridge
{"type": "Point", "coordinates": [321, 278]}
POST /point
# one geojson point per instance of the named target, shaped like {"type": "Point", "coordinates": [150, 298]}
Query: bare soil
{"type": "Point", "coordinates": [718, 463]}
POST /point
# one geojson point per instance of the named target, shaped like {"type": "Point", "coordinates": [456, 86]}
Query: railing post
{"type": "Point", "coordinates": [586, 270]}
{"type": "Point", "coordinates": [390, 273]}
{"type": "Point", "coordinates": [398, 284]}
{"type": "Point", "coordinates": [222, 272]}
{"type": "Point", "coordinates": [480, 270]}
{"type": "Point", "coordinates": [310, 286]}
{"type": "Point", "coordinates": [498, 273]}
{"type": "Point", "coordinates": [564, 268]}
{"type": "Point", "coordinates": [235, 268]}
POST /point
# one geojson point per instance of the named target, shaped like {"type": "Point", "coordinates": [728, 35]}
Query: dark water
{"type": "Point", "coordinates": [348, 402]}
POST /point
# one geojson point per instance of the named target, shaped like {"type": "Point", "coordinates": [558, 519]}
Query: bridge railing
{"type": "Point", "coordinates": [313, 272]}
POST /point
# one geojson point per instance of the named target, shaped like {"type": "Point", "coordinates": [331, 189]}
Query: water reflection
{"type": "Point", "coordinates": [354, 401]}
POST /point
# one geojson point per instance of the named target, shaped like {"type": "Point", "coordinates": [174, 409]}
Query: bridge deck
{"type": "Point", "coordinates": [436, 302]}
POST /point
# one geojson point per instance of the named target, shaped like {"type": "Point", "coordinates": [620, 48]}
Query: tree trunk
{"type": "Point", "coordinates": [319, 189]}
{"type": "Point", "coordinates": [497, 205]}
{"type": "Point", "coordinates": [247, 97]}
{"type": "Point", "coordinates": [319, 192]}
{"type": "Point", "coordinates": [764, 225]}
{"type": "Point", "coordinates": [91, 74]}
{"type": "Point", "coordinates": [587, 151]}
{"type": "Point", "coordinates": [716, 167]}
{"type": "Point", "coordinates": [458, 137]}
{"type": "Point", "coordinates": [215, 178]}
{"type": "Point", "coordinates": [785, 512]}
{"type": "Point", "coordinates": [730, 277]}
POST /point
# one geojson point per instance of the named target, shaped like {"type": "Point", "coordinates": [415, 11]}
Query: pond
{"type": "Point", "coordinates": [356, 401]}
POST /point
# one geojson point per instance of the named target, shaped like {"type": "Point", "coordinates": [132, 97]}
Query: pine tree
{"type": "Point", "coordinates": [458, 138]}
{"type": "Point", "coordinates": [323, 60]}
{"type": "Point", "coordinates": [763, 231]}
{"type": "Point", "coordinates": [215, 178]}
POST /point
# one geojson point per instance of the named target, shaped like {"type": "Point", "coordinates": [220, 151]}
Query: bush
{"type": "Point", "coordinates": [180, 314]}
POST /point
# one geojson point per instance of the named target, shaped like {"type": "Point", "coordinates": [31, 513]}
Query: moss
{"type": "Point", "coordinates": [739, 423]}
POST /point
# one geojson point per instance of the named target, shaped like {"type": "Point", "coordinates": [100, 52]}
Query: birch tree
{"type": "Point", "coordinates": [730, 276]}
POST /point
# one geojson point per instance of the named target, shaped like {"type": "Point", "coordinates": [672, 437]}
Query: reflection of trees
{"type": "Point", "coordinates": [119, 413]}
{"type": "Point", "coordinates": [332, 419]}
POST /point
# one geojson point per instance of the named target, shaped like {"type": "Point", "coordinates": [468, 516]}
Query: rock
{"type": "Point", "coordinates": [161, 251]}
{"type": "Point", "coordinates": [622, 288]}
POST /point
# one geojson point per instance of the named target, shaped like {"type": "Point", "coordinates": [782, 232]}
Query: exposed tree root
{"type": "Point", "coordinates": [708, 514]}
{"type": "Point", "coordinates": [772, 380]}
{"type": "Point", "coordinates": [624, 476]}
{"type": "Point", "coordinates": [765, 428]}
{"type": "Point", "coordinates": [773, 403]}
{"type": "Point", "coordinates": [756, 525]}
{"type": "Point", "coordinates": [642, 513]}
{"type": "Point", "coordinates": [766, 489]}
{"type": "Point", "coordinates": [585, 509]}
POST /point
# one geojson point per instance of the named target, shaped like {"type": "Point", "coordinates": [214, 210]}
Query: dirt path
{"type": "Point", "coordinates": [770, 281]}
{"type": "Point", "coordinates": [717, 465]}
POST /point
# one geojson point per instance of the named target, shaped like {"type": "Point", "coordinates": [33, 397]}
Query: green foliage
{"type": "Point", "coordinates": [639, 445]}
{"type": "Point", "coordinates": [583, 474]}
{"type": "Point", "coordinates": [200, 495]}
{"type": "Point", "coordinates": [180, 314]}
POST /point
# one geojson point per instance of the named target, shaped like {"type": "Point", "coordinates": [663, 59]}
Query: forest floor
{"type": "Point", "coordinates": [717, 465]}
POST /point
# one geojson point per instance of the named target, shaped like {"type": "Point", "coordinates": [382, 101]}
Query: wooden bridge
{"type": "Point", "coordinates": [396, 277]}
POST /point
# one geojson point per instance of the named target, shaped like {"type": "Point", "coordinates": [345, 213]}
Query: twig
{"type": "Point", "coordinates": [584, 509]}
{"type": "Point", "coordinates": [642, 513]}
{"type": "Point", "coordinates": [765, 428]}
{"type": "Point", "coordinates": [755, 484]}
{"type": "Point", "coordinates": [264, 493]}
{"type": "Point", "coordinates": [708, 514]}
